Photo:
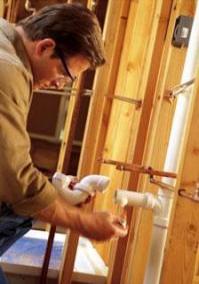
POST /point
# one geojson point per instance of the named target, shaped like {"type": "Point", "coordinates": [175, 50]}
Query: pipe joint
{"type": "Point", "coordinates": [145, 200]}
{"type": "Point", "coordinates": [88, 186]}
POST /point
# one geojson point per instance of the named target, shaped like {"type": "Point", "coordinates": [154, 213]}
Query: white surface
{"type": "Point", "coordinates": [89, 266]}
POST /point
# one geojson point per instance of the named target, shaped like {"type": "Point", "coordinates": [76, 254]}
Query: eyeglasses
{"type": "Point", "coordinates": [60, 54]}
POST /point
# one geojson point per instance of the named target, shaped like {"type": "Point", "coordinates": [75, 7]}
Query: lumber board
{"type": "Point", "coordinates": [68, 260]}
{"type": "Point", "coordinates": [70, 249]}
{"type": "Point", "coordinates": [65, 275]}
{"type": "Point", "coordinates": [196, 272]}
{"type": "Point", "coordinates": [182, 244]}
{"type": "Point", "coordinates": [131, 82]}
{"type": "Point", "coordinates": [10, 8]}
{"type": "Point", "coordinates": [156, 145]}
{"type": "Point", "coordinates": [100, 108]}
{"type": "Point", "coordinates": [113, 33]}
{"type": "Point", "coordinates": [2, 8]}
{"type": "Point", "coordinates": [63, 166]}
{"type": "Point", "coordinates": [149, 88]}
{"type": "Point", "coordinates": [180, 256]}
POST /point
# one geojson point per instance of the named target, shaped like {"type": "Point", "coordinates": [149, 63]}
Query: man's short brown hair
{"type": "Point", "coordinates": [74, 28]}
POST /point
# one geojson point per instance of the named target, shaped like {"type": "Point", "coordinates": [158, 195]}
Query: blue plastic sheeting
{"type": "Point", "coordinates": [31, 251]}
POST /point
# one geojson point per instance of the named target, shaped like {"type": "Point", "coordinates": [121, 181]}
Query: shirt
{"type": "Point", "coordinates": [21, 184]}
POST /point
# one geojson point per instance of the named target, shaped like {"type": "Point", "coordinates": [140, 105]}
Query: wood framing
{"type": "Point", "coordinates": [172, 62]}
{"type": "Point", "coordinates": [65, 275]}
{"type": "Point", "coordinates": [66, 270]}
{"type": "Point", "coordinates": [69, 255]}
{"type": "Point", "coordinates": [123, 126]}
{"type": "Point", "coordinates": [96, 128]}
{"type": "Point", "coordinates": [63, 166]}
{"type": "Point", "coordinates": [169, 77]}
{"type": "Point", "coordinates": [196, 272]}
{"type": "Point", "coordinates": [9, 9]}
{"type": "Point", "coordinates": [129, 121]}
{"type": "Point", "coordinates": [114, 29]}
{"type": "Point", "coordinates": [183, 241]}
{"type": "Point", "coordinates": [2, 8]}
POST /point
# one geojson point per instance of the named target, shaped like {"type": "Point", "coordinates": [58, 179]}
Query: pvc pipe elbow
{"type": "Point", "coordinates": [93, 183]}
{"type": "Point", "coordinates": [80, 192]}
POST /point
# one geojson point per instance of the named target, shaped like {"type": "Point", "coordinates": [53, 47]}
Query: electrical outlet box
{"type": "Point", "coordinates": [182, 31]}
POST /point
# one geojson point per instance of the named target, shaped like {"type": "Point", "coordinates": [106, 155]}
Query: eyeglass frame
{"type": "Point", "coordinates": [60, 54]}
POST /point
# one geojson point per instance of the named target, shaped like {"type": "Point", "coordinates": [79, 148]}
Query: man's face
{"type": "Point", "coordinates": [49, 71]}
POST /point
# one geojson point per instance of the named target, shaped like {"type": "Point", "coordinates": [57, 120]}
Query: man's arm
{"type": "Point", "coordinates": [22, 185]}
{"type": "Point", "coordinates": [94, 225]}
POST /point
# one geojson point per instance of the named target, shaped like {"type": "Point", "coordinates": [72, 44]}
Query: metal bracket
{"type": "Point", "coordinates": [161, 184]}
{"type": "Point", "coordinates": [191, 196]}
{"type": "Point", "coordinates": [137, 103]}
{"type": "Point", "coordinates": [66, 92]}
{"type": "Point", "coordinates": [179, 89]}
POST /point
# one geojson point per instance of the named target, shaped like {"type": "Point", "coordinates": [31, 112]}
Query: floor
{"type": "Point", "coordinates": [22, 262]}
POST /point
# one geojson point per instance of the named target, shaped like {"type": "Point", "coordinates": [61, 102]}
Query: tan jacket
{"type": "Point", "coordinates": [21, 184]}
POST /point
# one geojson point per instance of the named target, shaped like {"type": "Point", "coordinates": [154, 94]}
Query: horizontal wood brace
{"type": "Point", "coordinates": [138, 103]}
{"type": "Point", "coordinates": [138, 168]}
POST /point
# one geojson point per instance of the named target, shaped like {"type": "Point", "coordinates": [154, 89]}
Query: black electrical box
{"type": "Point", "coordinates": [182, 31]}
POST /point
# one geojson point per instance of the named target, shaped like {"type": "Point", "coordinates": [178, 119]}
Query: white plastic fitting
{"type": "Point", "coordinates": [144, 200]}
{"type": "Point", "coordinates": [88, 186]}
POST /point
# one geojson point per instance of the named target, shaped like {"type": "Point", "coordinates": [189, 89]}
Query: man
{"type": "Point", "coordinates": [50, 48]}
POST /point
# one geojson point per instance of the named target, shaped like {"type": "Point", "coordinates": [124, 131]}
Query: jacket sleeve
{"type": "Point", "coordinates": [21, 184]}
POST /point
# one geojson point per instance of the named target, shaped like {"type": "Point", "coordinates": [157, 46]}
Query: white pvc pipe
{"type": "Point", "coordinates": [93, 183]}
{"type": "Point", "coordinates": [161, 220]}
{"type": "Point", "coordinates": [88, 186]}
{"type": "Point", "coordinates": [131, 198]}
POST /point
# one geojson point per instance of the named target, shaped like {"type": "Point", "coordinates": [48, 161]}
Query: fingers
{"type": "Point", "coordinates": [121, 228]}
{"type": "Point", "coordinates": [102, 226]}
{"type": "Point", "coordinates": [114, 226]}
{"type": "Point", "coordinates": [88, 200]}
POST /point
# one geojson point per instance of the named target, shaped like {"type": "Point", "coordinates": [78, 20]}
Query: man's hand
{"type": "Point", "coordinates": [99, 226]}
{"type": "Point", "coordinates": [74, 181]}
{"type": "Point", "coordinates": [102, 226]}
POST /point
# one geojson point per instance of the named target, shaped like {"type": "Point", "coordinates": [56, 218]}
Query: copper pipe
{"type": "Point", "coordinates": [49, 247]}
{"type": "Point", "coordinates": [179, 89]}
{"type": "Point", "coordinates": [140, 169]}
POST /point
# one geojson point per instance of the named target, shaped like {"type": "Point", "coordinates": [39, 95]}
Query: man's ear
{"type": "Point", "coordinates": [45, 47]}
